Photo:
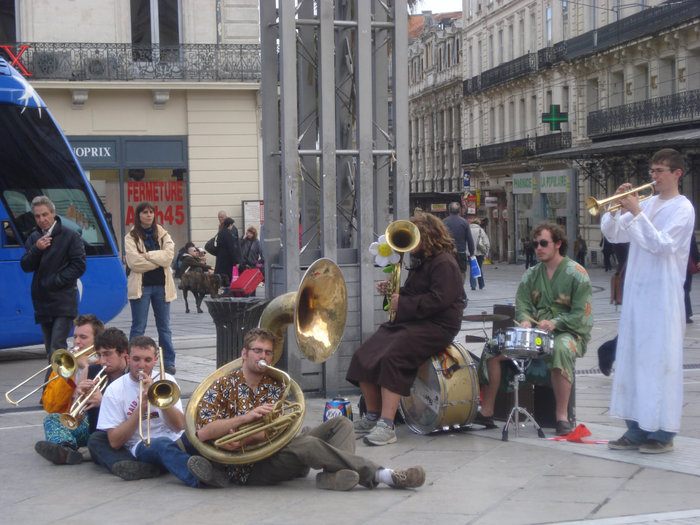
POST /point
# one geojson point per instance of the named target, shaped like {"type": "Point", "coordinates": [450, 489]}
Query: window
{"type": "Point", "coordinates": [8, 24]}
{"type": "Point", "coordinates": [500, 46]}
{"type": "Point", "coordinates": [521, 28]}
{"type": "Point", "coordinates": [593, 9]}
{"type": "Point", "coordinates": [548, 14]}
{"type": "Point", "coordinates": [155, 22]}
{"type": "Point", "coordinates": [564, 20]}
{"type": "Point", "coordinates": [490, 51]}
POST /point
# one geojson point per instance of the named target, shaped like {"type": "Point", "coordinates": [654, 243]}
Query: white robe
{"type": "Point", "coordinates": [648, 381]}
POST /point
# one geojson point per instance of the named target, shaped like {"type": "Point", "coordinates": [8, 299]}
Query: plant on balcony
{"type": "Point", "coordinates": [517, 152]}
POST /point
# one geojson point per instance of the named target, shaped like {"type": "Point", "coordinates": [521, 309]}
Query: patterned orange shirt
{"type": "Point", "coordinates": [230, 396]}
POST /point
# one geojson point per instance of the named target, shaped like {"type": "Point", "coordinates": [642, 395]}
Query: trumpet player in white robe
{"type": "Point", "coordinates": [648, 383]}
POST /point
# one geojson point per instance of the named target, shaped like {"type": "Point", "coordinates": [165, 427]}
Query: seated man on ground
{"type": "Point", "coordinates": [247, 395]}
{"type": "Point", "coordinates": [554, 296]}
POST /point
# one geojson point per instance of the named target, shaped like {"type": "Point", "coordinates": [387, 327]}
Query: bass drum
{"type": "Point", "coordinates": [445, 393]}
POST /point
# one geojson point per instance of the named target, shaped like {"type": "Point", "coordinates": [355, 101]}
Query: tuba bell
{"type": "Point", "coordinates": [318, 310]}
{"type": "Point", "coordinates": [403, 236]}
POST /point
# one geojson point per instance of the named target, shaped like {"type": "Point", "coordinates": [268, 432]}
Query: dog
{"type": "Point", "coordinates": [200, 284]}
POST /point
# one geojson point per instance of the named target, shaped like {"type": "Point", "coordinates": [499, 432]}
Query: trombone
{"type": "Point", "coordinates": [63, 362]}
{"type": "Point", "coordinates": [593, 205]}
{"type": "Point", "coordinates": [162, 394]}
{"type": "Point", "coordinates": [72, 419]}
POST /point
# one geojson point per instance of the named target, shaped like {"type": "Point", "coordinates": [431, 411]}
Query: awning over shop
{"type": "Point", "coordinates": [671, 139]}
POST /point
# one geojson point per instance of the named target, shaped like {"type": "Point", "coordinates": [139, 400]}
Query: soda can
{"type": "Point", "coordinates": [338, 406]}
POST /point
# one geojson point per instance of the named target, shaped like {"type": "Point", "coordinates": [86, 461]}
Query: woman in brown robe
{"type": "Point", "coordinates": [428, 316]}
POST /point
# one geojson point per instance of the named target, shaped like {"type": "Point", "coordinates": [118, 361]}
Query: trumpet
{"type": "Point", "coordinates": [63, 362]}
{"type": "Point", "coordinates": [72, 419]}
{"type": "Point", "coordinates": [272, 424]}
{"type": "Point", "coordinates": [593, 205]}
{"type": "Point", "coordinates": [162, 394]}
{"type": "Point", "coordinates": [402, 236]}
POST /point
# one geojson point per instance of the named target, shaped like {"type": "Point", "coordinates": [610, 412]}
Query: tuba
{"type": "Point", "coordinates": [403, 236]}
{"type": "Point", "coordinates": [318, 310]}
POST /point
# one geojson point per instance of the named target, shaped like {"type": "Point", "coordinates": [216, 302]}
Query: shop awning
{"type": "Point", "coordinates": [670, 139]}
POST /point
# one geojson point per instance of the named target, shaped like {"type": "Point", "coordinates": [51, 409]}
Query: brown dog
{"type": "Point", "coordinates": [200, 284]}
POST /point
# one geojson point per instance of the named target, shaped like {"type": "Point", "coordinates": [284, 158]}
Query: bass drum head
{"type": "Point", "coordinates": [444, 394]}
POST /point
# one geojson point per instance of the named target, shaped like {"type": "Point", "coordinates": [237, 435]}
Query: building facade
{"type": "Point", "coordinates": [547, 84]}
{"type": "Point", "coordinates": [435, 110]}
{"type": "Point", "coordinates": [158, 98]}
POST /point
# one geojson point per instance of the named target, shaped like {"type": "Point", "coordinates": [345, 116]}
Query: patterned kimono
{"type": "Point", "coordinates": [565, 300]}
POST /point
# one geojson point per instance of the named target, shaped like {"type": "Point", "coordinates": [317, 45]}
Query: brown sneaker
{"type": "Point", "coordinates": [623, 444]}
{"type": "Point", "coordinates": [343, 479]}
{"type": "Point", "coordinates": [653, 446]}
{"type": "Point", "coordinates": [408, 478]}
{"type": "Point", "coordinates": [58, 453]}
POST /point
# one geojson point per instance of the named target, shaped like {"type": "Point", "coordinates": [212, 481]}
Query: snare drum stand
{"type": "Point", "coordinates": [521, 363]}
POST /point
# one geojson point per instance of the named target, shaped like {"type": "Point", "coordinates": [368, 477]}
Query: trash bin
{"type": "Point", "coordinates": [233, 317]}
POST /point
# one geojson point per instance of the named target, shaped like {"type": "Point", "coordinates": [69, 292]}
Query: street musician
{"type": "Point", "coordinates": [245, 396]}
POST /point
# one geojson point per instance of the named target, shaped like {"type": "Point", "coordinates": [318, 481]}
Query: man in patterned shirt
{"type": "Point", "coordinates": [247, 395]}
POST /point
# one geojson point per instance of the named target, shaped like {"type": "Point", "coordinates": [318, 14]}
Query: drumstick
{"type": "Point", "coordinates": [530, 319]}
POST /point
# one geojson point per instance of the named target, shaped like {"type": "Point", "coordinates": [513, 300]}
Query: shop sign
{"type": "Point", "coordinates": [438, 207]}
{"type": "Point", "coordinates": [491, 202]}
{"type": "Point", "coordinates": [467, 179]}
{"type": "Point", "coordinates": [166, 196]}
{"type": "Point", "coordinates": [504, 213]}
{"type": "Point", "coordinates": [523, 183]}
{"type": "Point", "coordinates": [494, 213]}
{"type": "Point", "coordinates": [557, 181]}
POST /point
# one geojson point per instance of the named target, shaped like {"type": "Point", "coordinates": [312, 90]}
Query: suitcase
{"type": "Point", "coordinates": [246, 283]}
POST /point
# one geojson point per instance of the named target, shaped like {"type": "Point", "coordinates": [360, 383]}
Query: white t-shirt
{"type": "Point", "coordinates": [121, 399]}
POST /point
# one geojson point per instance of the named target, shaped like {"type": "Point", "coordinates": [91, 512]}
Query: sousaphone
{"type": "Point", "coordinates": [318, 310]}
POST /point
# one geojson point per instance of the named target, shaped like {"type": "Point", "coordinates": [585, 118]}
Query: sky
{"type": "Point", "coordinates": [438, 6]}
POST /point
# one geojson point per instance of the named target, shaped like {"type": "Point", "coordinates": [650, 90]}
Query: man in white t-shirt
{"type": "Point", "coordinates": [119, 416]}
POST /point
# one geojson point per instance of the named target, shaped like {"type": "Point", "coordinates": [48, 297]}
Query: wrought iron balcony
{"type": "Point", "coordinates": [511, 70]}
{"type": "Point", "coordinates": [667, 111]}
{"type": "Point", "coordinates": [516, 149]}
{"type": "Point", "coordinates": [110, 62]}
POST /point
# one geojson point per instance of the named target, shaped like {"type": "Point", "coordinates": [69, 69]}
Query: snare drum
{"type": "Point", "coordinates": [444, 394]}
{"type": "Point", "coordinates": [518, 342]}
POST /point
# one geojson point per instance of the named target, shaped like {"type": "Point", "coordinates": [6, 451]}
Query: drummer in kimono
{"type": "Point", "coordinates": [554, 296]}
{"type": "Point", "coordinates": [648, 383]}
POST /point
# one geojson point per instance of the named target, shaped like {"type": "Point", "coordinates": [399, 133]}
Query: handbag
{"type": "Point", "coordinates": [692, 265]}
{"type": "Point", "coordinates": [211, 245]}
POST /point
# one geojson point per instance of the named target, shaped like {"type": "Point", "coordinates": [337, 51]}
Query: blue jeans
{"type": "Point", "coordinates": [154, 295]}
{"type": "Point", "coordinates": [639, 436]}
{"type": "Point", "coordinates": [168, 455]}
{"type": "Point", "coordinates": [102, 452]}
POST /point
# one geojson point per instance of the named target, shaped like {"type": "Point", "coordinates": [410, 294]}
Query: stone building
{"type": "Point", "coordinates": [158, 98]}
{"type": "Point", "coordinates": [549, 90]}
{"type": "Point", "coordinates": [434, 106]}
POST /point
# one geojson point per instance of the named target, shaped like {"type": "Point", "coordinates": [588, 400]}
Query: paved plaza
{"type": "Point", "coordinates": [472, 475]}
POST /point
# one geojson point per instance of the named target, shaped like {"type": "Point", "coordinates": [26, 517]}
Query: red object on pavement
{"type": "Point", "coordinates": [247, 282]}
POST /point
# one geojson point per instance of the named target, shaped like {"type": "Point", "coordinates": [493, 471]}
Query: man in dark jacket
{"type": "Point", "coordinates": [56, 255]}
{"type": "Point", "coordinates": [462, 236]}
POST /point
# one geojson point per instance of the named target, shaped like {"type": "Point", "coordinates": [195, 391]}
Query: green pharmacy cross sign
{"type": "Point", "coordinates": [555, 117]}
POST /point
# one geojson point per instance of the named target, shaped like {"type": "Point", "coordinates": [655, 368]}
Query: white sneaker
{"type": "Point", "coordinates": [364, 425]}
{"type": "Point", "coordinates": [382, 434]}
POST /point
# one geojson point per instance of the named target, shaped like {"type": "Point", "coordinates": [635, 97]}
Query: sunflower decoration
{"type": "Point", "coordinates": [386, 258]}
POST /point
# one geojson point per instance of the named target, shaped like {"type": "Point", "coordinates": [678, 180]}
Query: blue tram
{"type": "Point", "coordinates": [36, 159]}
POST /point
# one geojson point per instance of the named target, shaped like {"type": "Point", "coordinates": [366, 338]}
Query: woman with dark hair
{"type": "Point", "coordinates": [228, 250]}
{"type": "Point", "coordinates": [149, 252]}
{"type": "Point", "coordinates": [250, 249]}
{"type": "Point", "coordinates": [428, 316]}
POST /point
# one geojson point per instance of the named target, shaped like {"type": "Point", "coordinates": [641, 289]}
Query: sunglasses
{"type": "Point", "coordinates": [542, 242]}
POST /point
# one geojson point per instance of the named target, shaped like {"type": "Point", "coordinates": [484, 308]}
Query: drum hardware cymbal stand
{"type": "Point", "coordinates": [521, 363]}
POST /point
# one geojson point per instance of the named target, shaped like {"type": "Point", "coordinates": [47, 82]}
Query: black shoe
{"type": "Point", "coordinates": [563, 428]}
{"type": "Point", "coordinates": [688, 320]}
{"type": "Point", "coordinates": [623, 444]}
{"type": "Point", "coordinates": [59, 453]}
{"type": "Point", "coordinates": [485, 421]}
{"type": "Point", "coordinates": [130, 470]}
{"type": "Point", "coordinates": [207, 473]}
{"type": "Point", "coordinates": [170, 370]}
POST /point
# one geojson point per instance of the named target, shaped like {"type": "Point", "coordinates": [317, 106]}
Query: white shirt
{"type": "Point", "coordinates": [121, 399]}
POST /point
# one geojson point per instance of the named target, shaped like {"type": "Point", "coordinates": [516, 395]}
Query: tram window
{"type": "Point", "coordinates": [37, 161]}
{"type": "Point", "coordinates": [9, 236]}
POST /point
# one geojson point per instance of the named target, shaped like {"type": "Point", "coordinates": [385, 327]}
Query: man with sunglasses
{"type": "Point", "coordinates": [648, 383]}
{"type": "Point", "coordinates": [247, 395]}
{"type": "Point", "coordinates": [554, 296]}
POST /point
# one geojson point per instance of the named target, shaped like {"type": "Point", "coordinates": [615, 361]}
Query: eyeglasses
{"type": "Point", "coordinates": [258, 351]}
{"type": "Point", "coordinates": [542, 242]}
{"type": "Point", "coordinates": [657, 171]}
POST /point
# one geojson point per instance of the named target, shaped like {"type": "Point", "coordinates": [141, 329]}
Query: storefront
{"type": "Point", "coordinates": [127, 170]}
